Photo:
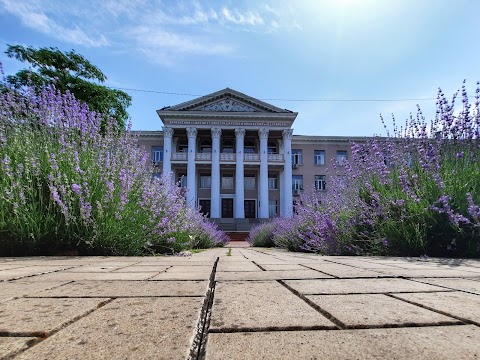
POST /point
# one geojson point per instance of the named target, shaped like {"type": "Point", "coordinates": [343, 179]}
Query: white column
{"type": "Point", "coordinates": [215, 191]}
{"type": "Point", "coordinates": [167, 150]}
{"type": "Point", "coordinates": [263, 181]}
{"type": "Point", "coordinates": [191, 172]}
{"type": "Point", "coordinates": [239, 175]}
{"type": "Point", "coordinates": [288, 196]}
{"type": "Point", "coordinates": [282, 181]}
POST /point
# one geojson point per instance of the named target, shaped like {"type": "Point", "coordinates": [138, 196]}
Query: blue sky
{"type": "Point", "coordinates": [278, 49]}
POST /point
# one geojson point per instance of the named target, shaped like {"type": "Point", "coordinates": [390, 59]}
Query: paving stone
{"type": "Point", "coordinates": [238, 266]}
{"type": "Point", "coordinates": [360, 286]}
{"type": "Point", "coordinates": [261, 305]}
{"type": "Point", "coordinates": [147, 328]}
{"type": "Point", "coordinates": [376, 310]}
{"type": "Point", "coordinates": [414, 273]}
{"type": "Point", "coordinates": [84, 276]}
{"type": "Point", "coordinates": [116, 262]}
{"type": "Point", "coordinates": [283, 267]}
{"type": "Point", "coordinates": [262, 262]}
{"type": "Point", "coordinates": [94, 268]}
{"type": "Point", "coordinates": [186, 268]}
{"type": "Point", "coordinates": [19, 288]}
{"type": "Point", "coordinates": [8, 266]}
{"type": "Point", "coordinates": [9, 346]}
{"type": "Point", "coordinates": [187, 275]}
{"type": "Point", "coordinates": [127, 289]}
{"type": "Point", "coordinates": [343, 270]}
{"type": "Point", "coordinates": [28, 271]}
{"type": "Point", "coordinates": [39, 317]}
{"type": "Point", "coordinates": [175, 261]}
{"type": "Point", "coordinates": [422, 343]}
{"type": "Point", "coordinates": [456, 284]}
{"type": "Point", "coordinates": [270, 275]}
{"type": "Point", "coordinates": [364, 264]}
{"type": "Point", "coordinates": [142, 268]}
{"type": "Point", "coordinates": [55, 261]}
{"type": "Point", "coordinates": [463, 305]}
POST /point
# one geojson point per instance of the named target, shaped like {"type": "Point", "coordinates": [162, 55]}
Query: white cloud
{"type": "Point", "coordinates": [163, 47]}
{"type": "Point", "coordinates": [31, 16]}
{"type": "Point", "coordinates": [164, 31]}
{"type": "Point", "coordinates": [236, 17]}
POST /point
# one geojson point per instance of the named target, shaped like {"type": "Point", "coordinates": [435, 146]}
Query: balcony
{"type": "Point", "coordinates": [206, 156]}
{"type": "Point", "coordinates": [179, 156]}
{"type": "Point", "coordinates": [275, 157]}
{"type": "Point", "coordinates": [227, 157]}
{"type": "Point", "coordinates": [252, 157]}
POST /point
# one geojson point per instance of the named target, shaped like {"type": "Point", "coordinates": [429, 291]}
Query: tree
{"type": "Point", "coordinates": [69, 71]}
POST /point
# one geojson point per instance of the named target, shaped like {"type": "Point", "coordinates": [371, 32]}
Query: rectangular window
{"type": "Point", "coordinates": [182, 180]}
{"type": "Point", "coordinates": [272, 182]}
{"type": "Point", "coordinates": [319, 157]}
{"type": "Point", "coordinates": [297, 183]}
{"type": "Point", "coordinates": [157, 154]}
{"type": "Point", "coordinates": [341, 157]}
{"type": "Point", "coordinates": [205, 181]}
{"type": "Point", "coordinates": [320, 182]}
{"type": "Point", "coordinates": [272, 208]}
{"type": "Point", "coordinates": [249, 182]}
{"type": "Point", "coordinates": [227, 181]}
{"type": "Point", "coordinates": [297, 157]}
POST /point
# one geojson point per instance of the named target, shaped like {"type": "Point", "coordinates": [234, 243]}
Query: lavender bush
{"type": "Point", "coordinates": [415, 192]}
{"type": "Point", "coordinates": [70, 180]}
{"type": "Point", "coordinates": [261, 235]}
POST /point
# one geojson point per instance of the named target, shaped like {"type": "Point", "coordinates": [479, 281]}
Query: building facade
{"type": "Point", "coordinates": [238, 158]}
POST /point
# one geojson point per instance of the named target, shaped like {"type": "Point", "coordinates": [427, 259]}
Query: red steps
{"type": "Point", "coordinates": [237, 236]}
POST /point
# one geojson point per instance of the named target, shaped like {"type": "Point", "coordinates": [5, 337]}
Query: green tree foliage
{"type": "Point", "coordinates": [69, 71]}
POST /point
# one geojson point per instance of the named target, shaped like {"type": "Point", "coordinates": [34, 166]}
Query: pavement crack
{"type": "Point", "coordinates": [198, 348]}
{"type": "Point", "coordinates": [263, 269]}
{"type": "Point", "coordinates": [322, 272]}
{"type": "Point", "coordinates": [325, 313]}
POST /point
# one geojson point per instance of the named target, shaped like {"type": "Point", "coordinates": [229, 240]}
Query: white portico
{"type": "Point", "coordinates": [234, 152]}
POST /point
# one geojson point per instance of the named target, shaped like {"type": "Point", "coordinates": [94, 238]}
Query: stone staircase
{"type": "Point", "coordinates": [237, 235]}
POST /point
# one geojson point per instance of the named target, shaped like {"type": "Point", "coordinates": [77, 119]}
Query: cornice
{"type": "Point", "coordinates": [224, 115]}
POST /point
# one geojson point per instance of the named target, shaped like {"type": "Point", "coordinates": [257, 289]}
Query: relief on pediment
{"type": "Point", "coordinates": [227, 105]}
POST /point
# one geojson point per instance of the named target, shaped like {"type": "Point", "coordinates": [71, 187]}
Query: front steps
{"type": "Point", "coordinates": [237, 225]}
{"type": "Point", "coordinates": [237, 236]}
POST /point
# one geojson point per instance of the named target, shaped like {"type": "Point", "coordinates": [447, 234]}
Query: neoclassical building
{"type": "Point", "coordinates": [237, 157]}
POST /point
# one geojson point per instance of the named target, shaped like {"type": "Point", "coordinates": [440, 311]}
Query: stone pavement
{"type": "Point", "coordinates": [247, 303]}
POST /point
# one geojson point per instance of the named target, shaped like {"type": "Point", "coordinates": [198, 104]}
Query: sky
{"type": "Point", "coordinates": [309, 56]}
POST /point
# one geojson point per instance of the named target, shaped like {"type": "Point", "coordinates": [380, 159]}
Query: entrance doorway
{"type": "Point", "coordinates": [204, 206]}
{"type": "Point", "coordinates": [250, 209]}
{"type": "Point", "coordinates": [227, 208]}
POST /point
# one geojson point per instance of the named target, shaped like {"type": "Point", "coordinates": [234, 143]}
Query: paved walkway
{"type": "Point", "coordinates": [245, 303]}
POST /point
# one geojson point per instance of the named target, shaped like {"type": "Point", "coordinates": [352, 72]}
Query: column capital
{"type": "Point", "coordinates": [287, 134]}
{"type": "Point", "coordinates": [263, 133]}
{"type": "Point", "coordinates": [240, 132]}
{"type": "Point", "coordinates": [167, 132]}
{"type": "Point", "coordinates": [216, 132]}
{"type": "Point", "coordinates": [192, 132]}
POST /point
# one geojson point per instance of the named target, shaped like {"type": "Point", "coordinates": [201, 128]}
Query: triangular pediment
{"type": "Point", "coordinates": [226, 100]}
{"type": "Point", "coordinates": [227, 104]}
